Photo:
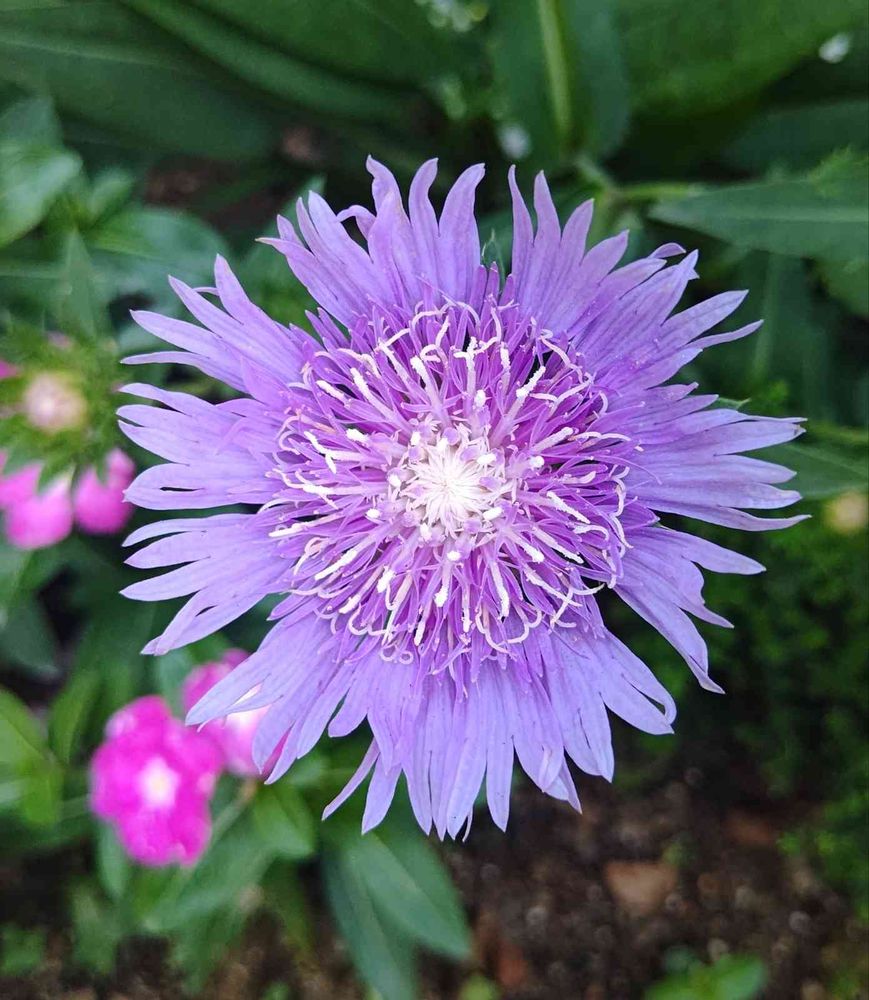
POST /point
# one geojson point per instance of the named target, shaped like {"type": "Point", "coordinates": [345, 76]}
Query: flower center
{"type": "Point", "coordinates": [447, 486]}
{"type": "Point", "coordinates": [158, 784]}
{"type": "Point", "coordinates": [451, 485]}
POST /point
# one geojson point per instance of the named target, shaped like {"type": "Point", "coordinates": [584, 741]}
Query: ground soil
{"type": "Point", "coordinates": [589, 907]}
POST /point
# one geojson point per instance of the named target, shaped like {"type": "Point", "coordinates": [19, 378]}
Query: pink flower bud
{"type": "Point", "coordinates": [99, 505]}
{"type": "Point", "coordinates": [52, 403]}
{"type": "Point", "coordinates": [234, 734]}
{"type": "Point", "coordinates": [152, 779]}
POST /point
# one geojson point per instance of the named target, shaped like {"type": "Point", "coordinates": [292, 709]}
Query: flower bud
{"type": "Point", "coordinates": [52, 403]}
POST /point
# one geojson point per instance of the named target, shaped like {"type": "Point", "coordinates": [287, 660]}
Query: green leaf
{"type": "Point", "coordinates": [21, 740]}
{"type": "Point", "coordinates": [284, 821]}
{"type": "Point", "coordinates": [734, 977]}
{"type": "Point", "coordinates": [408, 883]}
{"type": "Point", "coordinates": [113, 866]}
{"type": "Point", "coordinates": [22, 950]}
{"type": "Point", "coordinates": [136, 249]}
{"type": "Point", "coordinates": [110, 646]}
{"type": "Point", "coordinates": [32, 121]}
{"type": "Point", "coordinates": [200, 944]}
{"type": "Point", "coordinates": [31, 178]}
{"type": "Point", "coordinates": [384, 958]}
{"type": "Point", "coordinates": [823, 215]}
{"type": "Point", "coordinates": [40, 802]}
{"type": "Point", "coordinates": [559, 69]}
{"type": "Point", "coordinates": [71, 712]}
{"type": "Point", "coordinates": [112, 69]}
{"type": "Point", "coordinates": [690, 59]}
{"type": "Point", "coordinates": [599, 89]}
{"type": "Point", "coordinates": [233, 864]}
{"type": "Point", "coordinates": [377, 40]}
{"type": "Point", "coordinates": [285, 895]}
{"type": "Point", "coordinates": [822, 471]}
{"type": "Point", "coordinates": [794, 344]}
{"type": "Point", "coordinates": [80, 306]}
{"type": "Point", "coordinates": [27, 639]}
{"type": "Point", "coordinates": [800, 137]}
{"type": "Point", "coordinates": [848, 281]}
{"type": "Point", "coordinates": [273, 71]}
{"type": "Point", "coordinates": [96, 929]}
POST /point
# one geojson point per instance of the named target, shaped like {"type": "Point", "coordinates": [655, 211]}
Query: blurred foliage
{"type": "Point", "coordinates": [733, 977]}
{"type": "Point", "coordinates": [140, 137]}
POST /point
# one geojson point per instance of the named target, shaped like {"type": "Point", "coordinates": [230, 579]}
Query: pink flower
{"type": "Point", "coordinates": [99, 505]}
{"type": "Point", "coordinates": [234, 734]}
{"type": "Point", "coordinates": [152, 779]}
{"type": "Point", "coordinates": [34, 519]}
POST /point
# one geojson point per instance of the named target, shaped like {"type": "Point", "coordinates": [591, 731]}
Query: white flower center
{"type": "Point", "coordinates": [158, 784]}
{"type": "Point", "coordinates": [450, 486]}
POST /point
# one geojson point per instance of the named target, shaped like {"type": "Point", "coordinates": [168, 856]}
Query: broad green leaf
{"type": "Point", "coordinates": [600, 90]}
{"type": "Point", "coordinates": [409, 884]}
{"type": "Point", "coordinates": [800, 137]}
{"type": "Point", "coordinates": [40, 802]}
{"type": "Point", "coordinates": [848, 281]}
{"type": "Point", "coordinates": [689, 59]}
{"type": "Point", "coordinates": [136, 249]}
{"type": "Point", "coordinates": [32, 121]}
{"type": "Point", "coordinates": [822, 470]}
{"type": "Point", "coordinates": [558, 65]}
{"type": "Point", "coordinates": [380, 40]}
{"type": "Point", "coordinates": [114, 70]}
{"type": "Point", "coordinates": [27, 639]}
{"type": "Point", "coordinates": [273, 71]}
{"type": "Point", "coordinates": [822, 215]}
{"type": "Point", "coordinates": [31, 178]}
{"type": "Point", "coordinates": [284, 821]}
{"type": "Point", "coordinates": [385, 959]}
{"type": "Point", "coordinates": [21, 740]}
{"type": "Point", "coordinates": [794, 343]}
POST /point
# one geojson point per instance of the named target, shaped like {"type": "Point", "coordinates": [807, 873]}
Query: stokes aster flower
{"type": "Point", "coordinates": [442, 482]}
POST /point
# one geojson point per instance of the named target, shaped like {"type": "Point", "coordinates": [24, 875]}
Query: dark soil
{"type": "Point", "coordinates": [565, 907]}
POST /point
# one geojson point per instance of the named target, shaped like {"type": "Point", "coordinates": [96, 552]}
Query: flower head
{"type": "Point", "coordinates": [234, 734]}
{"type": "Point", "coordinates": [439, 486]}
{"type": "Point", "coordinates": [152, 779]}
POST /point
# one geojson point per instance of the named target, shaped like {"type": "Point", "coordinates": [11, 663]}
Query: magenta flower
{"type": "Point", "coordinates": [234, 734]}
{"type": "Point", "coordinates": [37, 518]}
{"type": "Point", "coordinates": [441, 484]}
{"type": "Point", "coordinates": [99, 504]}
{"type": "Point", "coordinates": [34, 519]}
{"type": "Point", "coordinates": [152, 779]}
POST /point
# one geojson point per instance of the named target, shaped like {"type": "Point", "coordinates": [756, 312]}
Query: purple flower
{"type": "Point", "coordinates": [441, 483]}
{"type": "Point", "coordinates": [152, 779]}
